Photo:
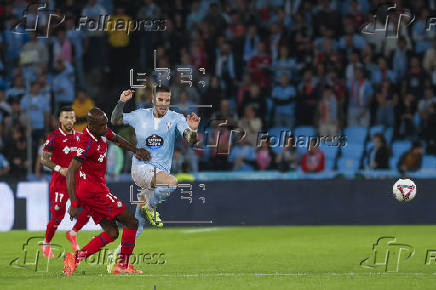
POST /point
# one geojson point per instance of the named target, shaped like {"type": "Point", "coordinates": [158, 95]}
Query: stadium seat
{"type": "Point", "coordinates": [352, 150]}
{"type": "Point", "coordinates": [428, 161]}
{"type": "Point", "coordinates": [389, 134]}
{"type": "Point", "coordinates": [399, 147]}
{"type": "Point", "coordinates": [348, 164]}
{"type": "Point", "coordinates": [305, 131]}
{"type": "Point", "coordinates": [329, 151]}
{"type": "Point", "coordinates": [329, 163]}
{"type": "Point", "coordinates": [356, 135]}
{"type": "Point", "coordinates": [376, 129]}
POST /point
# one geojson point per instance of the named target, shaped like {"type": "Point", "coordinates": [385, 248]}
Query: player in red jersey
{"type": "Point", "coordinates": [91, 193]}
{"type": "Point", "coordinates": [58, 153]}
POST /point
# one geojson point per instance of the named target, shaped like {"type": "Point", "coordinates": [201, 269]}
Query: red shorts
{"type": "Point", "coordinates": [100, 205]}
{"type": "Point", "coordinates": [58, 196]}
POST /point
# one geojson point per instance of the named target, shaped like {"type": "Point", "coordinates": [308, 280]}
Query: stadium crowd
{"type": "Point", "coordinates": [267, 64]}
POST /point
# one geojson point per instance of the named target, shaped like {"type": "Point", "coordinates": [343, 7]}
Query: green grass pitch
{"type": "Point", "coordinates": [279, 257]}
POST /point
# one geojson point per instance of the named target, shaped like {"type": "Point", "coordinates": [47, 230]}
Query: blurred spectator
{"type": "Point", "coordinates": [288, 158]}
{"type": "Point", "coordinates": [265, 157]}
{"type": "Point", "coordinates": [254, 98]}
{"type": "Point", "coordinates": [5, 108]}
{"type": "Point", "coordinates": [416, 77]}
{"type": "Point", "coordinates": [313, 160]}
{"type": "Point", "coordinates": [386, 101]}
{"type": "Point", "coordinates": [379, 154]}
{"type": "Point", "coordinates": [212, 96]}
{"type": "Point", "coordinates": [429, 132]}
{"type": "Point", "coordinates": [360, 91]}
{"type": "Point", "coordinates": [96, 48]}
{"type": "Point", "coordinates": [328, 114]}
{"type": "Point", "coordinates": [258, 66]}
{"type": "Point", "coordinates": [283, 97]}
{"type": "Point", "coordinates": [37, 109]}
{"type": "Point", "coordinates": [250, 42]}
{"type": "Point", "coordinates": [251, 125]}
{"type": "Point", "coordinates": [176, 165]}
{"type": "Point", "coordinates": [81, 106]}
{"type": "Point", "coordinates": [115, 160]}
{"type": "Point", "coordinates": [17, 91]}
{"type": "Point", "coordinates": [400, 56]}
{"type": "Point", "coordinates": [119, 52]}
{"type": "Point", "coordinates": [429, 61]}
{"type": "Point", "coordinates": [382, 72]}
{"type": "Point", "coordinates": [407, 109]}
{"type": "Point", "coordinates": [63, 84]}
{"type": "Point", "coordinates": [225, 114]}
{"type": "Point", "coordinates": [15, 150]}
{"type": "Point", "coordinates": [77, 39]}
{"type": "Point", "coordinates": [186, 104]}
{"type": "Point", "coordinates": [4, 165]}
{"type": "Point", "coordinates": [62, 47]}
{"type": "Point", "coordinates": [308, 99]}
{"type": "Point", "coordinates": [412, 159]}
{"type": "Point", "coordinates": [284, 64]}
{"type": "Point", "coordinates": [243, 157]}
{"type": "Point", "coordinates": [225, 68]}
{"type": "Point", "coordinates": [34, 52]}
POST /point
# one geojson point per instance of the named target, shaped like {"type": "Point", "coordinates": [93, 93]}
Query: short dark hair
{"type": "Point", "coordinates": [162, 89]}
{"type": "Point", "coordinates": [64, 109]}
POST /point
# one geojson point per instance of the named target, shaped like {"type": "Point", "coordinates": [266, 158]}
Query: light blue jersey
{"type": "Point", "coordinates": [157, 135]}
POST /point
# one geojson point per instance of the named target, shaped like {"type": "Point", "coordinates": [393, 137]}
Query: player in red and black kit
{"type": "Point", "coordinates": [58, 153]}
{"type": "Point", "coordinates": [92, 194]}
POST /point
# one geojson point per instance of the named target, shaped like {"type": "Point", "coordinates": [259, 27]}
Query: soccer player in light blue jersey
{"type": "Point", "coordinates": [155, 130]}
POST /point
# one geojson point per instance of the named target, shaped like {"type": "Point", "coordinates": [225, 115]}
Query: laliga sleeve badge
{"type": "Point", "coordinates": [56, 207]}
{"type": "Point", "coordinates": [119, 204]}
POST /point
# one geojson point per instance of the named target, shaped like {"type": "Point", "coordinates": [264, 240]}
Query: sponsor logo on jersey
{"type": "Point", "coordinates": [80, 151]}
{"type": "Point", "coordinates": [154, 142]}
{"type": "Point", "coordinates": [69, 149]}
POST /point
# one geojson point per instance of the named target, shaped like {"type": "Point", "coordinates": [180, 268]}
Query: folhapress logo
{"type": "Point", "coordinates": [391, 23]}
{"type": "Point", "coordinates": [37, 18]}
{"type": "Point", "coordinates": [387, 255]}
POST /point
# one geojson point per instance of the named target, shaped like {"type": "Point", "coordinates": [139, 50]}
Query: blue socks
{"type": "Point", "coordinates": [160, 194]}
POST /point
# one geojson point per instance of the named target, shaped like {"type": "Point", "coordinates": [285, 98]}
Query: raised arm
{"type": "Point", "coordinates": [141, 153]}
{"type": "Point", "coordinates": [117, 113]}
{"type": "Point", "coordinates": [71, 186]}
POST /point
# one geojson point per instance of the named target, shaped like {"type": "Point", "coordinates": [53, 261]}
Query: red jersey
{"type": "Point", "coordinates": [63, 147]}
{"type": "Point", "coordinates": [92, 152]}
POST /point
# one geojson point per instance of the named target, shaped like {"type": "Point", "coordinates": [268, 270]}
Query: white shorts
{"type": "Point", "coordinates": [142, 175]}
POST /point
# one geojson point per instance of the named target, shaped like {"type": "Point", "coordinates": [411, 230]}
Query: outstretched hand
{"type": "Point", "coordinates": [193, 121]}
{"type": "Point", "coordinates": [143, 154]}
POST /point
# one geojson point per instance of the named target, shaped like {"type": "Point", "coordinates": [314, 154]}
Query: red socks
{"type": "Point", "coordinates": [82, 219]}
{"type": "Point", "coordinates": [127, 246]}
{"type": "Point", "coordinates": [94, 246]}
{"type": "Point", "coordinates": [51, 229]}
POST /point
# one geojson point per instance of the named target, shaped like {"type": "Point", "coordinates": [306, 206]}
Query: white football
{"type": "Point", "coordinates": [404, 190]}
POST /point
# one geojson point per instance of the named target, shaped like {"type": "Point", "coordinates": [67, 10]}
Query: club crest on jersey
{"type": "Point", "coordinates": [169, 124]}
{"type": "Point", "coordinates": [154, 142]}
{"type": "Point", "coordinates": [80, 151]}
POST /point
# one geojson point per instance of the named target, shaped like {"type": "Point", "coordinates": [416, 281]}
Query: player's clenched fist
{"type": "Point", "coordinates": [142, 154]}
{"type": "Point", "coordinates": [126, 95]}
